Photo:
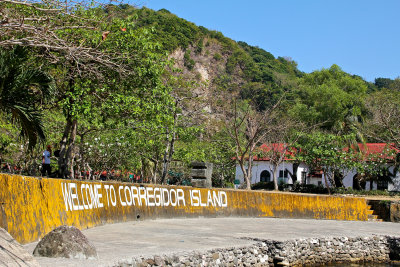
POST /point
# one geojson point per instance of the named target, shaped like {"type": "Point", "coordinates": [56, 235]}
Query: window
{"type": "Point", "coordinates": [265, 176]}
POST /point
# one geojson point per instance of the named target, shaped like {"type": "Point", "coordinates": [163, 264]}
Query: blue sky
{"type": "Point", "coordinates": [361, 36]}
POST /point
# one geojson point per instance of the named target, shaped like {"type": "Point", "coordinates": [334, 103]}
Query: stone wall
{"type": "Point", "coordinates": [313, 251]}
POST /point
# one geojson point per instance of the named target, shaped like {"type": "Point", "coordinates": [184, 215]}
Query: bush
{"type": "Point", "coordinates": [313, 189]}
{"type": "Point", "coordinates": [351, 191]}
{"type": "Point", "coordinates": [188, 61]}
{"type": "Point", "coordinates": [217, 56]}
{"type": "Point", "coordinates": [319, 189]}
{"type": "Point", "coordinates": [199, 47]}
{"type": "Point", "coordinates": [309, 188]}
{"type": "Point", "coordinates": [229, 185]}
{"type": "Point", "coordinates": [263, 185]}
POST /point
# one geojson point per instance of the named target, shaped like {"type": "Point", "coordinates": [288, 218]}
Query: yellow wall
{"type": "Point", "coordinates": [31, 207]}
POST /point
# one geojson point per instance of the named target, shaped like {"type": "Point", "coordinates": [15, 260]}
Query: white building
{"type": "Point", "coordinates": [262, 171]}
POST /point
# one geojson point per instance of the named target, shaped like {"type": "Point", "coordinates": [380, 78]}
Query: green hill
{"type": "Point", "coordinates": [209, 56]}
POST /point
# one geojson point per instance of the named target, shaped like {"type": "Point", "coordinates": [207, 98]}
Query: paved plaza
{"type": "Point", "coordinates": [167, 236]}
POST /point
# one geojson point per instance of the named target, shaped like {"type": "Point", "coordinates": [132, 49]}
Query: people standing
{"type": "Point", "coordinates": [46, 162]}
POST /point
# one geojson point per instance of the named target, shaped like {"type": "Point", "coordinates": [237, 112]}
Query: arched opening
{"type": "Point", "coordinates": [338, 179]}
{"type": "Point", "coordinates": [357, 184]}
{"type": "Point", "coordinates": [265, 176]}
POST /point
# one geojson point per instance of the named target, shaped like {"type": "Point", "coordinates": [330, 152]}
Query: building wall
{"type": "Point", "coordinates": [32, 207]}
{"type": "Point", "coordinates": [395, 186]}
{"type": "Point", "coordinates": [259, 166]}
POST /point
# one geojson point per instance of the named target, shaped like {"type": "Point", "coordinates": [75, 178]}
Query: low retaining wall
{"type": "Point", "coordinates": [387, 210]}
{"type": "Point", "coordinates": [31, 207]}
{"type": "Point", "coordinates": [299, 252]}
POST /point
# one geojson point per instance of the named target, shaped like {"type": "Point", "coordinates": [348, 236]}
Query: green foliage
{"type": "Point", "coordinates": [386, 83]}
{"type": "Point", "coordinates": [350, 191]}
{"type": "Point", "coordinates": [327, 152]}
{"type": "Point", "coordinates": [309, 188]}
{"type": "Point", "coordinates": [375, 166]}
{"type": "Point", "coordinates": [314, 189]}
{"type": "Point", "coordinates": [384, 114]}
{"type": "Point", "coordinates": [8, 138]}
{"type": "Point", "coordinates": [262, 95]}
{"type": "Point", "coordinates": [217, 56]}
{"type": "Point", "coordinates": [331, 98]}
{"type": "Point", "coordinates": [172, 32]}
{"type": "Point", "coordinates": [263, 185]}
{"type": "Point", "coordinates": [268, 65]}
{"type": "Point", "coordinates": [199, 46]}
{"type": "Point", "coordinates": [188, 61]}
{"type": "Point", "coordinates": [22, 88]}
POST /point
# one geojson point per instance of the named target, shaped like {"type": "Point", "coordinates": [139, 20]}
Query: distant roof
{"type": "Point", "coordinates": [278, 147]}
{"type": "Point", "coordinates": [366, 148]}
{"type": "Point", "coordinates": [375, 148]}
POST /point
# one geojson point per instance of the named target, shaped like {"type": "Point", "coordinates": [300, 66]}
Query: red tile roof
{"type": "Point", "coordinates": [277, 147]}
{"type": "Point", "coordinates": [366, 149]}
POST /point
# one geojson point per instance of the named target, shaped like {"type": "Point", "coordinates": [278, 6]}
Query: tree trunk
{"type": "Point", "coordinates": [168, 156]}
{"type": "Point", "coordinates": [294, 174]}
{"type": "Point", "coordinates": [249, 170]}
{"type": "Point", "coordinates": [274, 176]}
{"type": "Point", "coordinates": [70, 155]}
{"type": "Point", "coordinates": [327, 184]}
{"type": "Point", "coordinates": [82, 163]}
{"type": "Point", "coordinates": [62, 165]}
{"type": "Point", "coordinates": [165, 160]}
{"type": "Point", "coordinates": [332, 180]}
{"type": "Point", "coordinates": [154, 176]}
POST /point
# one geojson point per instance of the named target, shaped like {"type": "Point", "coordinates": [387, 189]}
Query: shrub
{"type": "Point", "coordinates": [199, 47]}
{"type": "Point", "coordinates": [263, 185]}
{"type": "Point", "coordinates": [309, 188]}
{"type": "Point", "coordinates": [188, 61]}
{"type": "Point", "coordinates": [217, 56]}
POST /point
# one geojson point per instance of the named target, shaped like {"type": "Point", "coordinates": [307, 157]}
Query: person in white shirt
{"type": "Point", "coordinates": [46, 162]}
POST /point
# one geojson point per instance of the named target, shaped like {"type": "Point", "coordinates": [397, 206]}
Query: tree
{"type": "Point", "coordinates": [384, 122]}
{"type": "Point", "coordinates": [63, 31]}
{"type": "Point", "coordinates": [389, 84]}
{"type": "Point", "coordinates": [278, 145]}
{"type": "Point", "coordinates": [185, 113]}
{"type": "Point", "coordinates": [374, 167]}
{"type": "Point", "coordinates": [23, 87]}
{"type": "Point", "coordinates": [331, 98]}
{"type": "Point", "coordinates": [137, 98]}
{"type": "Point", "coordinates": [328, 153]}
{"type": "Point", "coordinates": [247, 128]}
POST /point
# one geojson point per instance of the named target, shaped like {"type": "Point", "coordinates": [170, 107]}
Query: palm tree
{"type": "Point", "coordinates": [23, 89]}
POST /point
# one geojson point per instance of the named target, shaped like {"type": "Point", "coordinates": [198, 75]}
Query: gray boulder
{"type": "Point", "coordinates": [65, 242]}
{"type": "Point", "coordinates": [12, 253]}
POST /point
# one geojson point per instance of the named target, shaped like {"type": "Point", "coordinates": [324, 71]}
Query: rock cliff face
{"type": "Point", "coordinates": [208, 69]}
{"type": "Point", "coordinates": [209, 80]}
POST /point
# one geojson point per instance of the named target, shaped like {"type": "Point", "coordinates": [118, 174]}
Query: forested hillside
{"type": "Point", "coordinates": [141, 92]}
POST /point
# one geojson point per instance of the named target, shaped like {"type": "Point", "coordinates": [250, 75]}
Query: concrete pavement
{"type": "Point", "coordinates": [166, 236]}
